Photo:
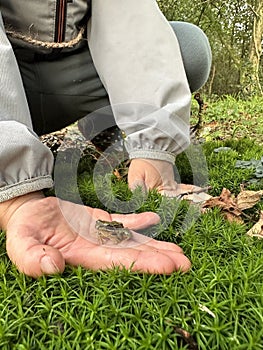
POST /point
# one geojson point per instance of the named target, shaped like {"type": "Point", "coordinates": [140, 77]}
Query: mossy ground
{"type": "Point", "coordinates": [119, 309]}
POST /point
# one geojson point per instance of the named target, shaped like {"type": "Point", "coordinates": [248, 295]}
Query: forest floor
{"type": "Point", "coordinates": [217, 305]}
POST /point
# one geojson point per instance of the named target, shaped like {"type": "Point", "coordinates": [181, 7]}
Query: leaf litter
{"type": "Point", "coordinates": [233, 207]}
{"type": "Point", "coordinates": [257, 229]}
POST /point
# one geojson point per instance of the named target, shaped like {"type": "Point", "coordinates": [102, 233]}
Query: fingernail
{"type": "Point", "coordinates": [48, 266]}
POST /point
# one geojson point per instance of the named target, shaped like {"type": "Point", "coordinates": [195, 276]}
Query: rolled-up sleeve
{"type": "Point", "coordinates": [138, 58]}
{"type": "Point", "coordinates": [25, 163]}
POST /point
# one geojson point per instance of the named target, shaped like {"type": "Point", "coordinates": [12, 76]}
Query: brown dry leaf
{"type": "Point", "coordinates": [188, 338]}
{"type": "Point", "coordinates": [121, 173]}
{"type": "Point", "coordinates": [247, 199]}
{"type": "Point", "coordinates": [227, 203]}
{"type": "Point", "coordinates": [212, 124]}
{"type": "Point", "coordinates": [117, 174]}
{"type": "Point", "coordinates": [230, 217]}
{"type": "Point", "coordinates": [257, 229]}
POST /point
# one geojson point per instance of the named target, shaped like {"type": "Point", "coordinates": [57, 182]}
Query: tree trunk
{"type": "Point", "coordinates": [256, 47]}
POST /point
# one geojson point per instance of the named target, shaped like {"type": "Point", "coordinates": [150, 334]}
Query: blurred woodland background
{"type": "Point", "coordinates": [235, 32]}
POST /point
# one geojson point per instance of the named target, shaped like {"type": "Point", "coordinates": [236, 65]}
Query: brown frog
{"type": "Point", "coordinates": [112, 231]}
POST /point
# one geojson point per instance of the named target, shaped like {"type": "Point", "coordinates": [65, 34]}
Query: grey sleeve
{"type": "Point", "coordinates": [25, 163]}
{"type": "Point", "coordinates": [138, 58]}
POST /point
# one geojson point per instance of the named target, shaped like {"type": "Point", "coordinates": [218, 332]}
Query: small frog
{"type": "Point", "coordinates": [112, 231]}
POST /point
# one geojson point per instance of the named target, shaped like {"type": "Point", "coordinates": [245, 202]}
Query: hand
{"type": "Point", "coordinates": [156, 174]}
{"type": "Point", "coordinates": [43, 236]}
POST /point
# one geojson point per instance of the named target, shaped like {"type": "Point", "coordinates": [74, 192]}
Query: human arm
{"type": "Point", "coordinates": [25, 163]}
{"type": "Point", "coordinates": [40, 237]}
{"type": "Point", "coordinates": [138, 59]}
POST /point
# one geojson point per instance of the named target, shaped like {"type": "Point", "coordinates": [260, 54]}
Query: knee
{"type": "Point", "coordinates": [196, 53]}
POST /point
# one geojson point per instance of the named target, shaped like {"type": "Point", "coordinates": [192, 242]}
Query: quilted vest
{"type": "Point", "coordinates": [44, 25]}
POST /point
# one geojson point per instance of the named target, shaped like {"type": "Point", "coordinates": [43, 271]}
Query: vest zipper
{"type": "Point", "coordinates": [60, 24]}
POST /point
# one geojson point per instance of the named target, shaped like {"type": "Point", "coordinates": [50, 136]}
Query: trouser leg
{"type": "Point", "coordinates": [61, 89]}
{"type": "Point", "coordinates": [196, 53]}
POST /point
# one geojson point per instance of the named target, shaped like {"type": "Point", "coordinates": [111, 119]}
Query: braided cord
{"type": "Point", "coordinates": [47, 44]}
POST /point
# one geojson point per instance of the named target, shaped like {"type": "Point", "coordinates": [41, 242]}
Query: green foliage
{"type": "Point", "coordinates": [256, 165]}
{"type": "Point", "coordinates": [120, 309]}
{"type": "Point", "coordinates": [229, 27]}
{"type": "Point", "coordinates": [123, 310]}
{"type": "Point", "coordinates": [228, 118]}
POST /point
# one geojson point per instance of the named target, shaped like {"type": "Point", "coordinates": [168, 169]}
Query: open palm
{"type": "Point", "coordinates": [44, 234]}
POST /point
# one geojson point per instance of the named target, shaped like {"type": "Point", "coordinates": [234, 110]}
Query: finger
{"type": "Point", "coordinates": [33, 258]}
{"type": "Point", "coordinates": [184, 188]}
{"type": "Point", "coordinates": [168, 246]}
{"type": "Point", "coordinates": [137, 221]}
{"type": "Point", "coordinates": [172, 250]}
{"type": "Point", "coordinates": [133, 221]}
{"type": "Point", "coordinates": [145, 243]}
{"type": "Point", "coordinates": [169, 193]}
{"type": "Point", "coordinates": [158, 262]}
{"type": "Point", "coordinates": [178, 189]}
{"type": "Point", "coordinates": [98, 257]}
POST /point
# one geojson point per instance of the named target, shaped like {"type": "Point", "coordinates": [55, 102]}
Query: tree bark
{"type": "Point", "coordinates": [256, 47]}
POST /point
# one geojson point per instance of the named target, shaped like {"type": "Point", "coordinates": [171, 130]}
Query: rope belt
{"type": "Point", "coordinates": [47, 44]}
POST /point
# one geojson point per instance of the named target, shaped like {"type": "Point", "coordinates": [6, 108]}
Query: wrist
{"type": "Point", "coordinates": [158, 163]}
{"type": "Point", "coordinates": [8, 207]}
{"type": "Point", "coordinates": [152, 154]}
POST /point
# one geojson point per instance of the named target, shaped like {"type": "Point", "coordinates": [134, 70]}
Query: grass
{"type": "Point", "coordinates": [82, 309]}
{"type": "Point", "coordinates": [232, 118]}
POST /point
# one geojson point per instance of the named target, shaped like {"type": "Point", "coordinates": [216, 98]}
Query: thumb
{"type": "Point", "coordinates": [33, 258]}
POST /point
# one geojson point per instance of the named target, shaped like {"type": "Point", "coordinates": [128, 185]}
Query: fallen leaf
{"type": "Point", "coordinates": [232, 218]}
{"type": "Point", "coordinates": [257, 229]}
{"type": "Point", "coordinates": [121, 172]}
{"type": "Point", "coordinates": [188, 338]}
{"type": "Point", "coordinates": [247, 199]}
{"type": "Point", "coordinates": [227, 203]}
{"type": "Point", "coordinates": [117, 174]}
